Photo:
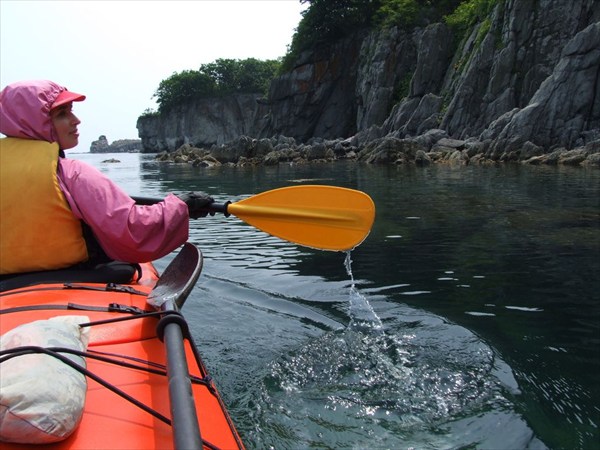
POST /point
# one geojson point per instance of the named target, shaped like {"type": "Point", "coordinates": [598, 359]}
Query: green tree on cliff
{"type": "Point", "coordinates": [241, 76]}
{"type": "Point", "coordinates": [221, 77]}
{"type": "Point", "coordinates": [182, 87]}
{"type": "Point", "coordinates": [327, 21]}
{"type": "Point", "coordinates": [323, 23]}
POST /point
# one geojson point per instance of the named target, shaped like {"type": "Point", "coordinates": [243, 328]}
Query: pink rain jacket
{"type": "Point", "coordinates": [125, 231]}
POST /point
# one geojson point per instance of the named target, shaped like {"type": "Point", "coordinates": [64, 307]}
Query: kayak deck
{"type": "Point", "coordinates": [109, 420]}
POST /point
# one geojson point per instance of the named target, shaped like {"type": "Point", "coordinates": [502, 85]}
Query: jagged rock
{"type": "Point", "coordinates": [593, 147]}
{"type": "Point", "coordinates": [529, 150]}
{"type": "Point", "coordinates": [234, 150]}
{"type": "Point", "coordinates": [573, 157]}
{"type": "Point", "coordinates": [434, 52]}
{"type": "Point", "coordinates": [474, 147]}
{"type": "Point", "coordinates": [567, 102]}
{"type": "Point", "coordinates": [271, 159]}
{"type": "Point", "coordinates": [100, 146]}
{"type": "Point", "coordinates": [387, 150]}
{"type": "Point", "coordinates": [385, 62]}
{"type": "Point", "coordinates": [263, 147]}
{"type": "Point", "coordinates": [431, 137]}
{"type": "Point", "coordinates": [207, 162]}
{"type": "Point", "coordinates": [317, 97]}
{"type": "Point", "coordinates": [390, 150]}
{"type": "Point", "coordinates": [452, 143]}
{"type": "Point", "coordinates": [119, 146]}
{"type": "Point", "coordinates": [497, 125]}
{"type": "Point", "coordinates": [126, 146]}
{"type": "Point", "coordinates": [201, 123]}
{"type": "Point", "coordinates": [579, 156]}
{"type": "Point", "coordinates": [424, 117]}
{"type": "Point", "coordinates": [422, 158]}
{"type": "Point", "coordinates": [317, 151]}
{"type": "Point", "coordinates": [524, 83]}
{"type": "Point", "coordinates": [457, 157]}
{"type": "Point", "coordinates": [593, 152]}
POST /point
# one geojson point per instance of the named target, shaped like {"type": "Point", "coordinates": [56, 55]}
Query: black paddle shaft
{"type": "Point", "coordinates": [169, 294]}
{"type": "Point", "coordinates": [212, 208]}
{"type": "Point", "coordinates": [186, 433]}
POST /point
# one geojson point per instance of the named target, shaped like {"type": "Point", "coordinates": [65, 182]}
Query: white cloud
{"type": "Point", "coordinates": [117, 52]}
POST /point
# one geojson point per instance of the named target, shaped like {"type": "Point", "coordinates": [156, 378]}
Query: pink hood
{"type": "Point", "coordinates": [25, 109]}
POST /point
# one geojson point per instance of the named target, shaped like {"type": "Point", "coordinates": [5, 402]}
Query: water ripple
{"type": "Point", "coordinates": [392, 386]}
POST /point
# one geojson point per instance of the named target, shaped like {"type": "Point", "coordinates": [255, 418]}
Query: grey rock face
{"type": "Point", "coordinates": [523, 83]}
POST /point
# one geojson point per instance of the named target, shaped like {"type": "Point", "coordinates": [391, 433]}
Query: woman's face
{"type": "Point", "coordinates": [65, 124]}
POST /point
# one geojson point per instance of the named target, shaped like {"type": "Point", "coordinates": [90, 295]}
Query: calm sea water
{"type": "Point", "coordinates": [469, 318]}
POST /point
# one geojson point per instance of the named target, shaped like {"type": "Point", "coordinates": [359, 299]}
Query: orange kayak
{"type": "Point", "coordinates": [147, 387]}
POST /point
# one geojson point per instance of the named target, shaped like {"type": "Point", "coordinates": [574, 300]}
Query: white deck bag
{"type": "Point", "coordinates": [41, 397]}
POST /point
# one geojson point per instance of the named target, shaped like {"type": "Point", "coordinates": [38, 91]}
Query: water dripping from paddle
{"type": "Point", "coordinates": [362, 315]}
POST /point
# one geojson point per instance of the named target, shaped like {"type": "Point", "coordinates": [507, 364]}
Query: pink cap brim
{"type": "Point", "coordinates": [67, 97]}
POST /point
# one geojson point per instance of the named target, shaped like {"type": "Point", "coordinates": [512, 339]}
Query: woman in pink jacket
{"type": "Point", "coordinates": [58, 212]}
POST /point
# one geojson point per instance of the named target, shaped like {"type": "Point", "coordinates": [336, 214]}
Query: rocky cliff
{"type": "Point", "coordinates": [203, 123]}
{"type": "Point", "coordinates": [524, 83]}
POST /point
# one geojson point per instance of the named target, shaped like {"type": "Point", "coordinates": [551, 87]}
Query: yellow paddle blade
{"type": "Point", "coordinates": [317, 216]}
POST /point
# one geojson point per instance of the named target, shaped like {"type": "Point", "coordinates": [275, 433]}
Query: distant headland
{"type": "Point", "coordinates": [118, 146]}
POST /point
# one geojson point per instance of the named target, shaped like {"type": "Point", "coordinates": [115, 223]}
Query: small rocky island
{"type": "Point", "coordinates": [118, 146]}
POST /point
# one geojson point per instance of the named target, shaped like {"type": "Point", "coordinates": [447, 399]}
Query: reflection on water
{"type": "Point", "coordinates": [470, 317]}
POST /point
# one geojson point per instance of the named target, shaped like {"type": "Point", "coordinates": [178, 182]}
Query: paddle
{"type": "Point", "coordinates": [169, 294]}
{"type": "Point", "coordinates": [317, 216]}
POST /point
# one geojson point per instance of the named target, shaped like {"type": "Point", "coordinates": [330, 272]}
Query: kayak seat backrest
{"type": "Point", "coordinates": [113, 272]}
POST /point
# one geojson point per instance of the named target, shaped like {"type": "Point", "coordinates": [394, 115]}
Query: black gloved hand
{"type": "Point", "coordinates": [197, 202]}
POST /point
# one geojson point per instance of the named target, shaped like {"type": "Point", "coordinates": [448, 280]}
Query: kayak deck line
{"type": "Point", "coordinates": [115, 359]}
{"type": "Point", "coordinates": [113, 307]}
{"type": "Point", "coordinates": [109, 287]}
{"type": "Point", "coordinates": [127, 356]}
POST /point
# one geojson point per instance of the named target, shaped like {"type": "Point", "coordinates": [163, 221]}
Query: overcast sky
{"type": "Point", "coordinates": [117, 52]}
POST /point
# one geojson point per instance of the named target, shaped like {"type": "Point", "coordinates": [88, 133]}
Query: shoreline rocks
{"type": "Point", "coordinates": [434, 147]}
{"type": "Point", "coordinates": [522, 86]}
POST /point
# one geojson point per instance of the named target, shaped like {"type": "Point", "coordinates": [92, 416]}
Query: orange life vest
{"type": "Point", "coordinates": [38, 231]}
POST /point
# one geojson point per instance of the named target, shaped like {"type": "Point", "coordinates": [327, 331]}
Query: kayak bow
{"type": "Point", "coordinates": [166, 399]}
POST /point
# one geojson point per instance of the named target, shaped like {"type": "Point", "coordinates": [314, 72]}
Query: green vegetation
{"type": "Point", "coordinates": [403, 13]}
{"type": "Point", "coordinates": [402, 88]}
{"type": "Point", "coordinates": [222, 77]}
{"type": "Point", "coordinates": [484, 29]}
{"type": "Point", "coordinates": [465, 17]}
{"type": "Point", "coordinates": [407, 14]}
{"type": "Point", "coordinates": [323, 23]}
{"type": "Point", "coordinates": [326, 21]}
{"type": "Point", "coordinates": [149, 112]}
{"type": "Point", "coordinates": [468, 13]}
